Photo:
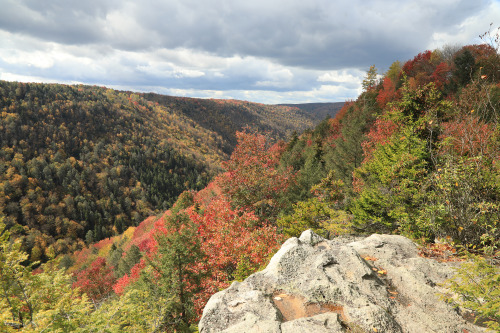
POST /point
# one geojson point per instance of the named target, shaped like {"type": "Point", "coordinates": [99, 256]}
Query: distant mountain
{"type": "Point", "coordinates": [86, 162]}
{"type": "Point", "coordinates": [318, 110]}
{"type": "Point", "coordinates": [225, 117]}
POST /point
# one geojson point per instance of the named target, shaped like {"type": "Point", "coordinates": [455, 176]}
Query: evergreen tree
{"type": "Point", "coordinates": [464, 63]}
{"type": "Point", "coordinates": [347, 153]}
{"type": "Point", "coordinates": [370, 79]}
{"type": "Point", "coordinates": [131, 258]}
{"type": "Point", "coordinates": [172, 281]}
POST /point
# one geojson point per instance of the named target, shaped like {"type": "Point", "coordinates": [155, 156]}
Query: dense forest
{"type": "Point", "coordinates": [320, 110]}
{"type": "Point", "coordinates": [225, 117]}
{"type": "Point", "coordinates": [81, 163]}
{"type": "Point", "coordinates": [415, 154]}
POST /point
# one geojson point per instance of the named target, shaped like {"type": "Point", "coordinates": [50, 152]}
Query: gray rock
{"type": "Point", "coordinates": [322, 323]}
{"type": "Point", "coordinates": [245, 310]}
{"type": "Point", "coordinates": [318, 285]}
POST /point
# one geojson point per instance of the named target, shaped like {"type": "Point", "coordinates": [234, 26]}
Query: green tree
{"type": "Point", "coordinates": [394, 72]}
{"type": "Point", "coordinates": [463, 202]}
{"type": "Point", "coordinates": [36, 302]}
{"type": "Point", "coordinates": [161, 299]}
{"type": "Point", "coordinates": [347, 153]}
{"type": "Point", "coordinates": [477, 283]}
{"type": "Point", "coordinates": [134, 312]}
{"type": "Point", "coordinates": [323, 213]}
{"type": "Point", "coordinates": [315, 214]}
{"type": "Point", "coordinates": [131, 258]}
{"type": "Point", "coordinates": [392, 180]}
{"type": "Point", "coordinates": [370, 80]}
{"type": "Point", "coordinates": [172, 276]}
{"type": "Point", "coordinates": [465, 67]}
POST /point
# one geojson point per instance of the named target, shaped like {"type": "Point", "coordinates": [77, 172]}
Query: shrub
{"type": "Point", "coordinates": [478, 285]}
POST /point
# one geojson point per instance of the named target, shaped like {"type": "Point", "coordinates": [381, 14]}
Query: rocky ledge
{"type": "Point", "coordinates": [374, 284]}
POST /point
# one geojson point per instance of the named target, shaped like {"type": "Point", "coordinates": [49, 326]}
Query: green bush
{"type": "Point", "coordinates": [478, 285]}
{"type": "Point", "coordinates": [464, 203]}
{"type": "Point", "coordinates": [317, 215]}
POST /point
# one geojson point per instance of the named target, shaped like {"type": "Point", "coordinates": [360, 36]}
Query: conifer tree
{"type": "Point", "coordinates": [370, 79]}
{"type": "Point", "coordinates": [172, 281]}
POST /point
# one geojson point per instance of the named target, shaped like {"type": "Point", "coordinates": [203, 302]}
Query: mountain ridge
{"type": "Point", "coordinates": [320, 110]}
{"type": "Point", "coordinates": [83, 162]}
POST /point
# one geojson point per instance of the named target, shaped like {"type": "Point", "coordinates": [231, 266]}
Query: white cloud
{"type": "Point", "coordinates": [461, 33]}
{"type": "Point", "coordinates": [25, 78]}
{"type": "Point", "coordinates": [266, 51]}
{"type": "Point", "coordinates": [343, 76]}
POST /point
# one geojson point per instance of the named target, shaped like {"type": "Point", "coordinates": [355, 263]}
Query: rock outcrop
{"type": "Point", "coordinates": [375, 284]}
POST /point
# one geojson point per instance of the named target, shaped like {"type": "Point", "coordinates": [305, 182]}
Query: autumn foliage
{"type": "Point", "coordinates": [234, 242]}
{"type": "Point", "coordinates": [387, 93]}
{"type": "Point", "coordinates": [96, 281]}
{"type": "Point", "coordinates": [416, 154]}
{"type": "Point", "coordinates": [254, 180]}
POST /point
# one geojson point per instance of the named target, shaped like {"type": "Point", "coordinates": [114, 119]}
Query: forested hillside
{"type": "Point", "coordinates": [84, 163]}
{"type": "Point", "coordinates": [416, 154]}
{"type": "Point", "coordinates": [319, 110]}
{"type": "Point", "coordinates": [225, 117]}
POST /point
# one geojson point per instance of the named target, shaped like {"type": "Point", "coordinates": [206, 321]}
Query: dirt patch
{"type": "Point", "coordinates": [295, 307]}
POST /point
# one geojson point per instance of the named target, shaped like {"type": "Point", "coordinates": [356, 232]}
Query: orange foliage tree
{"type": "Point", "coordinates": [254, 180]}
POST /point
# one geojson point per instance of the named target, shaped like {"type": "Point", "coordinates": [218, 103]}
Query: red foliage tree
{"type": "Point", "coordinates": [441, 74]}
{"type": "Point", "coordinates": [481, 51]}
{"type": "Point", "coordinates": [379, 133]}
{"type": "Point", "coordinates": [343, 111]}
{"type": "Point", "coordinates": [96, 281]}
{"type": "Point", "coordinates": [142, 232]}
{"type": "Point", "coordinates": [234, 244]}
{"type": "Point", "coordinates": [420, 68]}
{"type": "Point", "coordinates": [487, 61]}
{"type": "Point", "coordinates": [469, 137]}
{"type": "Point", "coordinates": [387, 93]}
{"type": "Point", "coordinates": [419, 63]}
{"type": "Point", "coordinates": [254, 180]}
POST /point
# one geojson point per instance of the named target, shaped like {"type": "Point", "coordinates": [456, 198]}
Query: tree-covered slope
{"type": "Point", "coordinates": [225, 117]}
{"type": "Point", "coordinates": [417, 153]}
{"type": "Point", "coordinates": [78, 160]}
{"type": "Point", "coordinates": [319, 110]}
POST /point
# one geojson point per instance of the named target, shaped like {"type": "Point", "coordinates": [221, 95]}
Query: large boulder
{"type": "Point", "coordinates": [374, 284]}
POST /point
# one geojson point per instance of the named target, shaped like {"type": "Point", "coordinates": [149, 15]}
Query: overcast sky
{"type": "Point", "coordinates": [269, 51]}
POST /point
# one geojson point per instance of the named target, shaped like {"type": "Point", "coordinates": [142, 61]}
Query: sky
{"type": "Point", "coordinates": [267, 51]}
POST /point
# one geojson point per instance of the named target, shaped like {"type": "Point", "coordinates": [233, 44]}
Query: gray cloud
{"type": "Point", "coordinates": [214, 45]}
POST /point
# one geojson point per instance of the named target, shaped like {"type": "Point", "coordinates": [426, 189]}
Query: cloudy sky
{"type": "Point", "coordinates": [269, 51]}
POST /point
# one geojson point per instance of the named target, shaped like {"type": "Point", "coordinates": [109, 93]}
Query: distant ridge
{"type": "Point", "coordinates": [319, 110]}
{"type": "Point", "coordinates": [226, 116]}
